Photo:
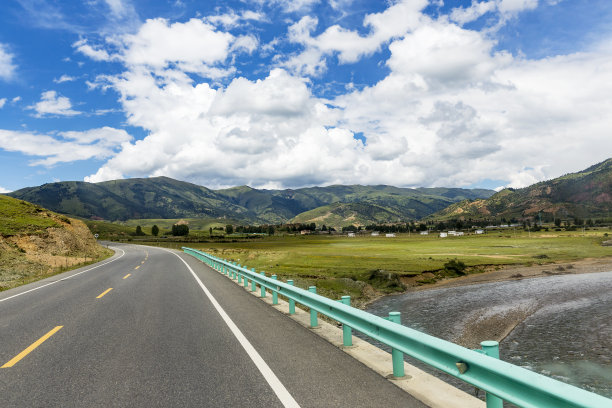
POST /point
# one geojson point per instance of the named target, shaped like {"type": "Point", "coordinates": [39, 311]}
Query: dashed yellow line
{"type": "Point", "coordinates": [104, 293]}
{"type": "Point", "coordinates": [137, 267]}
{"type": "Point", "coordinates": [127, 276]}
{"type": "Point", "coordinates": [142, 262]}
{"type": "Point", "coordinates": [27, 351]}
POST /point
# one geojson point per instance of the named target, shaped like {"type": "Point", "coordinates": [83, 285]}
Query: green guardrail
{"type": "Point", "coordinates": [481, 368]}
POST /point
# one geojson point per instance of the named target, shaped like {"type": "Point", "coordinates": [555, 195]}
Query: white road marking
{"type": "Point", "coordinates": [279, 389]}
{"type": "Point", "coordinates": [63, 279]}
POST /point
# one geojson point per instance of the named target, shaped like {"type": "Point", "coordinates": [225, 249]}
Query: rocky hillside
{"type": "Point", "coordinates": [36, 243]}
{"type": "Point", "coordinates": [585, 194]}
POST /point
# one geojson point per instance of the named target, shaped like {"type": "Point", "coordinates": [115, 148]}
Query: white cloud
{"type": "Point", "coordinates": [7, 67]}
{"type": "Point", "coordinates": [4, 190]}
{"type": "Point", "coordinates": [475, 11]}
{"type": "Point", "coordinates": [190, 45]}
{"type": "Point", "coordinates": [506, 9]}
{"type": "Point", "coordinates": [349, 45]}
{"type": "Point", "coordinates": [53, 104]}
{"type": "Point", "coordinates": [96, 54]}
{"type": "Point", "coordinates": [233, 19]}
{"type": "Point", "coordinates": [119, 8]}
{"type": "Point", "coordinates": [64, 146]}
{"type": "Point", "coordinates": [16, 99]}
{"type": "Point", "coordinates": [452, 111]}
{"type": "Point", "coordinates": [2, 102]}
{"type": "Point", "coordinates": [515, 6]}
{"type": "Point", "coordinates": [64, 78]}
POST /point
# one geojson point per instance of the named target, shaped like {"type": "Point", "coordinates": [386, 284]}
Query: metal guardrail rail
{"type": "Point", "coordinates": [498, 378]}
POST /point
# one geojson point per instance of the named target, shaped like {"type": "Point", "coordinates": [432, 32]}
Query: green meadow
{"type": "Point", "coordinates": [359, 266]}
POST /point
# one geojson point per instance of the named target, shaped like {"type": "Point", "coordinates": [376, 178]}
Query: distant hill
{"type": "Point", "coordinates": [166, 198]}
{"type": "Point", "coordinates": [344, 214]}
{"type": "Point", "coordinates": [585, 194]}
{"type": "Point", "coordinates": [156, 197]}
{"type": "Point", "coordinates": [35, 242]}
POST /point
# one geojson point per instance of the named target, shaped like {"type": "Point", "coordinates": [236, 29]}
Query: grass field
{"type": "Point", "coordinates": [339, 265]}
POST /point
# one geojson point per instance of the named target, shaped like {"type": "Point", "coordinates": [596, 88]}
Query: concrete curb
{"type": "Point", "coordinates": [430, 390]}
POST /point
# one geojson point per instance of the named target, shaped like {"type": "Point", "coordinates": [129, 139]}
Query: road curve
{"type": "Point", "coordinates": [139, 330]}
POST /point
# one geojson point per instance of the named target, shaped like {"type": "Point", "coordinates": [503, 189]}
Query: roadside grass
{"type": "Point", "coordinates": [17, 270]}
{"type": "Point", "coordinates": [18, 217]}
{"type": "Point", "coordinates": [359, 266]}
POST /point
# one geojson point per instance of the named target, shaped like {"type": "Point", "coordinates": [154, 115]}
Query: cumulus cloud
{"type": "Point", "coordinates": [349, 45]}
{"type": "Point", "coordinates": [2, 102]}
{"type": "Point", "coordinates": [64, 147]}
{"type": "Point", "coordinates": [453, 110]}
{"type": "Point", "coordinates": [96, 54]}
{"type": "Point", "coordinates": [7, 67]}
{"type": "Point", "coordinates": [505, 9]}
{"type": "Point", "coordinates": [64, 78]}
{"type": "Point", "coordinates": [53, 104]}
{"type": "Point", "coordinates": [4, 190]}
{"type": "Point", "coordinates": [233, 19]}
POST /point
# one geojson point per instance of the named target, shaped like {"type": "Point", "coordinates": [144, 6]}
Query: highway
{"type": "Point", "coordinates": [151, 327]}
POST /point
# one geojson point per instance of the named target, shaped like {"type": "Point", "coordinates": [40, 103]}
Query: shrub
{"type": "Point", "coordinates": [178, 230]}
{"type": "Point", "coordinates": [455, 267]}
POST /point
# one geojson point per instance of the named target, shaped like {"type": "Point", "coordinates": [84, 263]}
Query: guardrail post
{"type": "Point", "coordinates": [491, 349]}
{"type": "Point", "coordinates": [291, 301]}
{"type": "Point", "coordinates": [313, 313]}
{"type": "Point", "coordinates": [239, 276]}
{"type": "Point", "coordinates": [397, 356]}
{"type": "Point", "coordinates": [263, 288]}
{"type": "Point", "coordinates": [274, 293]}
{"type": "Point", "coordinates": [252, 281]}
{"type": "Point", "coordinates": [347, 332]}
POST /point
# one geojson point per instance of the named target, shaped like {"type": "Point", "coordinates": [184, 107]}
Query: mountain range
{"type": "Point", "coordinates": [163, 197]}
{"type": "Point", "coordinates": [583, 194]}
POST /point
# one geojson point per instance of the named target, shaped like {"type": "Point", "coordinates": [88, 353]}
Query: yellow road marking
{"type": "Point", "coordinates": [127, 276]}
{"type": "Point", "coordinates": [104, 293]}
{"type": "Point", "coordinates": [27, 351]}
{"type": "Point", "coordinates": [142, 262]}
{"type": "Point", "coordinates": [137, 267]}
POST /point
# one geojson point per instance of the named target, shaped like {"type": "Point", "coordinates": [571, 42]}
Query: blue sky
{"type": "Point", "coordinates": [282, 93]}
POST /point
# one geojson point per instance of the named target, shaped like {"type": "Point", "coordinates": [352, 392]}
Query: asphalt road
{"type": "Point", "coordinates": [157, 339]}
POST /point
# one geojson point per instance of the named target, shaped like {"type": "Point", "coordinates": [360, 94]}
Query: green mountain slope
{"type": "Point", "coordinates": [165, 198]}
{"type": "Point", "coordinates": [344, 214]}
{"type": "Point", "coordinates": [36, 242]}
{"type": "Point", "coordinates": [157, 197]}
{"type": "Point", "coordinates": [585, 194]}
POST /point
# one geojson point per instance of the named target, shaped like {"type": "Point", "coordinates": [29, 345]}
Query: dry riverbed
{"type": "Point", "coordinates": [498, 323]}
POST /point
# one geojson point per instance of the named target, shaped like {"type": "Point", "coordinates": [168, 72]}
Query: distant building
{"type": "Point", "coordinates": [305, 232]}
{"type": "Point", "coordinates": [479, 231]}
{"type": "Point", "coordinates": [351, 235]}
{"type": "Point", "coordinates": [424, 232]}
{"type": "Point", "coordinates": [443, 235]}
{"type": "Point", "coordinates": [390, 235]}
{"type": "Point", "coordinates": [452, 233]}
{"type": "Point", "coordinates": [375, 234]}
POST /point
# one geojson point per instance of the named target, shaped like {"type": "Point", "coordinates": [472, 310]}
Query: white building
{"type": "Point", "coordinates": [424, 232]}
{"type": "Point", "coordinates": [443, 235]}
{"type": "Point", "coordinates": [479, 231]}
{"type": "Point", "coordinates": [390, 235]}
{"type": "Point", "coordinates": [351, 235]}
{"type": "Point", "coordinates": [375, 234]}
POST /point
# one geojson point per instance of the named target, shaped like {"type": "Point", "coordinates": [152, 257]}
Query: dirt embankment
{"type": "Point", "coordinates": [514, 272]}
{"type": "Point", "coordinates": [28, 257]}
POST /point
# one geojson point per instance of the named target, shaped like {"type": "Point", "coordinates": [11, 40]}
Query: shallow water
{"type": "Point", "coordinates": [567, 333]}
